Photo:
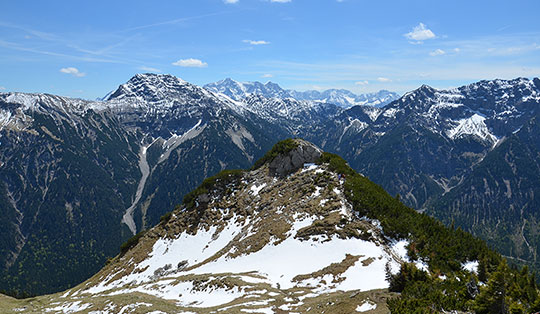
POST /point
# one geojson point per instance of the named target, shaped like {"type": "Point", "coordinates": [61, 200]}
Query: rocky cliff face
{"type": "Point", "coordinates": [304, 153]}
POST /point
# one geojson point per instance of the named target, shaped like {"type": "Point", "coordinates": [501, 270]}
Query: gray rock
{"type": "Point", "coordinates": [287, 163]}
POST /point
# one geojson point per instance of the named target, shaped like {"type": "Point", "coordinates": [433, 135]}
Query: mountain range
{"type": "Point", "coordinates": [81, 177]}
{"type": "Point", "coordinates": [340, 97]}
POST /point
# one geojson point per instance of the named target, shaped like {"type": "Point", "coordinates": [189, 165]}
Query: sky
{"type": "Point", "coordinates": [85, 49]}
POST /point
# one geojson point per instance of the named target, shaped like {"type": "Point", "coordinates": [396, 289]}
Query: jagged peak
{"type": "Point", "coordinates": [426, 88]}
{"type": "Point", "coordinates": [142, 85]}
{"type": "Point", "coordinates": [226, 80]}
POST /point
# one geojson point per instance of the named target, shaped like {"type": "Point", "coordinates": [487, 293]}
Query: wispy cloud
{"type": "Point", "coordinates": [103, 51]}
{"type": "Point", "coordinates": [280, 1]}
{"type": "Point", "coordinates": [437, 52]}
{"type": "Point", "coordinates": [256, 42]}
{"type": "Point", "coordinates": [2, 88]}
{"type": "Point", "coordinates": [73, 71]}
{"type": "Point", "coordinates": [73, 48]}
{"type": "Point", "coordinates": [175, 21]}
{"type": "Point", "coordinates": [29, 31]}
{"type": "Point", "coordinates": [494, 46]}
{"type": "Point", "coordinates": [14, 46]}
{"type": "Point", "coordinates": [361, 83]}
{"type": "Point", "coordinates": [190, 63]}
{"type": "Point", "coordinates": [384, 79]}
{"type": "Point", "coordinates": [230, 1]}
{"type": "Point", "coordinates": [420, 33]}
{"type": "Point", "coordinates": [149, 69]}
{"type": "Point", "coordinates": [267, 75]}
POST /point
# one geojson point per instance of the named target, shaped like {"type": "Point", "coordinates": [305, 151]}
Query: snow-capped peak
{"type": "Point", "coordinates": [340, 97]}
{"type": "Point", "coordinates": [149, 86]}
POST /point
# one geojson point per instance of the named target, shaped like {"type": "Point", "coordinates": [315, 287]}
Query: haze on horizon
{"type": "Point", "coordinates": [86, 49]}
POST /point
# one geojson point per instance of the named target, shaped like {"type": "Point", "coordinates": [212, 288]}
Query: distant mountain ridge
{"type": "Point", "coordinates": [340, 97]}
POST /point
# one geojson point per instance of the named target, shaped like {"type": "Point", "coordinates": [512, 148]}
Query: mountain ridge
{"type": "Point", "coordinates": [340, 97]}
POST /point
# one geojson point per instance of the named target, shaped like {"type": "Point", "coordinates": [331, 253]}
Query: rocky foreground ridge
{"type": "Point", "coordinates": [300, 232]}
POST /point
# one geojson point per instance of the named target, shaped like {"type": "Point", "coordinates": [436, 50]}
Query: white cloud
{"type": "Point", "coordinates": [438, 52]}
{"type": "Point", "coordinates": [190, 63]}
{"type": "Point", "coordinates": [420, 33]}
{"type": "Point", "coordinates": [361, 83]}
{"type": "Point", "coordinates": [230, 1]}
{"type": "Point", "coordinates": [255, 42]}
{"type": "Point", "coordinates": [149, 69]}
{"type": "Point", "coordinates": [457, 50]}
{"type": "Point", "coordinates": [280, 1]}
{"type": "Point", "coordinates": [267, 75]}
{"type": "Point", "coordinates": [73, 71]}
{"type": "Point", "coordinates": [2, 88]}
{"type": "Point", "coordinates": [384, 79]}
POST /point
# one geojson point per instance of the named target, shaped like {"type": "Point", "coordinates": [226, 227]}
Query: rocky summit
{"type": "Point", "coordinates": [302, 154]}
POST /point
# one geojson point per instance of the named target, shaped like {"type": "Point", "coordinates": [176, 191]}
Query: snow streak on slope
{"type": "Point", "coordinates": [175, 140]}
{"type": "Point", "coordinates": [145, 171]}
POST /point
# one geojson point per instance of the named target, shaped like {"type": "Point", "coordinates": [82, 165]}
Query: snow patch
{"type": "Point", "coordinates": [303, 257]}
{"type": "Point", "coordinates": [471, 266]}
{"type": "Point", "coordinates": [366, 306]}
{"type": "Point", "coordinates": [69, 307]}
{"type": "Point", "coordinates": [255, 189]}
{"type": "Point", "coordinates": [474, 125]}
{"type": "Point", "coordinates": [237, 136]}
{"type": "Point", "coordinates": [390, 112]}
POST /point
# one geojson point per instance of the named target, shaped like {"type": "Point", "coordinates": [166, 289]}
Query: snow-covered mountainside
{"type": "Point", "coordinates": [347, 99]}
{"type": "Point", "coordinates": [488, 110]}
{"type": "Point", "coordinates": [464, 123]}
{"type": "Point", "coordinates": [339, 97]}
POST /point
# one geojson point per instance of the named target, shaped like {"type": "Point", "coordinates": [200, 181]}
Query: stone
{"type": "Point", "coordinates": [285, 164]}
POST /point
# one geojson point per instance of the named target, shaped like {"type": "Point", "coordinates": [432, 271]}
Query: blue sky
{"type": "Point", "coordinates": [87, 48]}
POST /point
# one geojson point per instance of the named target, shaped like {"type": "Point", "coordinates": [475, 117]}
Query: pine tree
{"type": "Point", "coordinates": [482, 269]}
{"type": "Point", "coordinates": [492, 299]}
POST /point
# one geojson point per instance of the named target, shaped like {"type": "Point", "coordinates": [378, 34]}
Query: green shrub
{"type": "Point", "coordinates": [165, 218]}
{"type": "Point", "coordinates": [223, 178]}
{"type": "Point", "coordinates": [131, 242]}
